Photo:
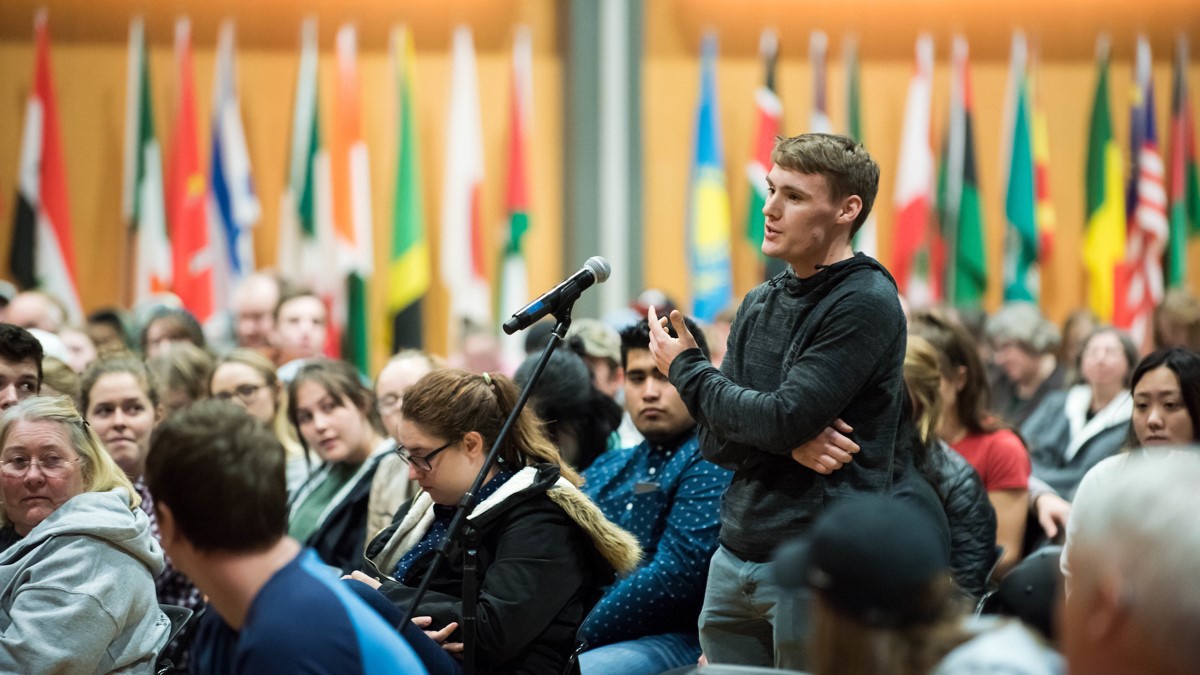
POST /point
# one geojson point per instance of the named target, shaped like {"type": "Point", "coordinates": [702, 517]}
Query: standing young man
{"type": "Point", "coordinates": [819, 347]}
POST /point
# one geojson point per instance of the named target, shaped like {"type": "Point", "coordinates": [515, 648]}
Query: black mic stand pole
{"type": "Point", "coordinates": [467, 505]}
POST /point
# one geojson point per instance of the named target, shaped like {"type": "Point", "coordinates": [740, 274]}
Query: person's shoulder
{"type": "Point", "coordinates": [302, 619]}
{"type": "Point", "coordinates": [1004, 440]}
{"type": "Point", "coordinates": [1001, 646]}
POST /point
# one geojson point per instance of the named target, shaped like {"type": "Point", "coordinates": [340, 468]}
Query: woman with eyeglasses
{"type": "Point", "coordinates": [335, 415]}
{"type": "Point", "coordinates": [247, 378]}
{"type": "Point", "coordinates": [544, 550]}
{"type": "Point", "coordinates": [77, 585]}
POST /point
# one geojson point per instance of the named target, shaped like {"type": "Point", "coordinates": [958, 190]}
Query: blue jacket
{"type": "Point", "coordinates": [669, 497]}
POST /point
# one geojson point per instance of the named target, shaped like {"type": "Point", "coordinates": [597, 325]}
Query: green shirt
{"type": "Point", "coordinates": [308, 514]}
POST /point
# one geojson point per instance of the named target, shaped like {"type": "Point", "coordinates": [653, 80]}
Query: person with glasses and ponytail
{"type": "Point", "coordinates": [77, 585]}
{"type": "Point", "coordinates": [544, 550]}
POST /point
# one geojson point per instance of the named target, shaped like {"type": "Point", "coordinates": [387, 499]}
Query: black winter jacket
{"type": "Point", "coordinates": [972, 520]}
{"type": "Point", "coordinates": [545, 552]}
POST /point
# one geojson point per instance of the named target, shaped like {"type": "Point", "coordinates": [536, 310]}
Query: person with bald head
{"type": "Point", "coordinates": [254, 302]}
{"type": "Point", "coordinates": [36, 309]}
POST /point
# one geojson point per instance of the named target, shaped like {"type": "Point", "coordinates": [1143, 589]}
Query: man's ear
{"type": "Point", "coordinates": [167, 530]}
{"type": "Point", "coordinates": [1110, 609]}
{"type": "Point", "coordinates": [850, 208]}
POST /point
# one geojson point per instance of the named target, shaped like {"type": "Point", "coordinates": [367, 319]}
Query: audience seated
{"type": "Point", "coordinates": [885, 604]}
{"type": "Point", "coordinates": [335, 416]}
{"type": "Point", "coordinates": [1072, 430]}
{"type": "Point", "coordinates": [665, 493]}
{"type": "Point", "coordinates": [59, 379]}
{"type": "Point", "coordinates": [1132, 556]}
{"type": "Point", "coordinates": [120, 402]}
{"type": "Point", "coordinates": [36, 309]}
{"type": "Point", "coordinates": [20, 365]}
{"type": "Point", "coordinates": [253, 306]}
{"type": "Point", "coordinates": [301, 330]}
{"type": "Point", "coordinates": [167, 326]}
{"type": "Point", "coordinates": [182, 371]}
{"type": "Point", "coordinates": [392, 488]}
{"type": "Point", "coordinates": [580, 418]}
{"type": "Point", "coordinates": [247, 378]}
{"type": "Point", "coordinates": [77, 584]}
{"type": "Point", "coordinates": [996, 452]}
{"type": "Point", "coordinates": [283, 608]}
{"type": "Point", "coordinates": [544, 549]}
{"type": "Point", "coordinates": [1023, 349]}
{"type": "Point", "coordinates": [970, 515]}
{"type": "Point", "coordinates": [1166, 418]}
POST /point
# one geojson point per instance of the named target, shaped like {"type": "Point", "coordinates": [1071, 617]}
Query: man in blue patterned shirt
{"type": "Point", "coordinates": [668, 496]}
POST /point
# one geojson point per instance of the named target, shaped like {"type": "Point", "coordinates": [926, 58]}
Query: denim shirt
{"type": "Point", "coordinates": [669, 497]}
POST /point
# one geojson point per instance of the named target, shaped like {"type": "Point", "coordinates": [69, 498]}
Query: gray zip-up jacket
{"type": "Point", "coordinates": [802, 353]}
{"type": "Point", "coordinates": [77, 593]}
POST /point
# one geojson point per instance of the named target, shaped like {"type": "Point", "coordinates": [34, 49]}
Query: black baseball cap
{"type": "Point", "coordinates": [869, 557]}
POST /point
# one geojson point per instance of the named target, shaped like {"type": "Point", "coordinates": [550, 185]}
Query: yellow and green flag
{"type": "Point", "coordinates": [408, 266]}
{"type": "Point", "coordinates": [1104, 238]}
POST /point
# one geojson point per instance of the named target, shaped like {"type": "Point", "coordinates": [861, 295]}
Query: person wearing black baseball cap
{"type": "Point", "coordinates": [884, 601]}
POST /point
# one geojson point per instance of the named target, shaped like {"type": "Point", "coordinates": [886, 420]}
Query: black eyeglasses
{"type": "Point", "coordinates": [422, 463]}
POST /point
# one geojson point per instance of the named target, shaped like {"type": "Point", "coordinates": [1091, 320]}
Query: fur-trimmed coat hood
{"type": "Point", "coordinates": [619, 548]}
{"type": "Point", "coordinates": [545, 553]}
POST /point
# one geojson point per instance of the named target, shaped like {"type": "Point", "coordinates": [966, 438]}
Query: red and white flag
{"type": "Point", "coordinates": [42, 253]}
{"type": "Point", "coordinates": [462, 257]}
{"type": "Point", "coordinates": [187, 213]}
{"type": "Point", "coordinates": [917, 252]}
{"type": "Point", "coordinates": [1139, 280]}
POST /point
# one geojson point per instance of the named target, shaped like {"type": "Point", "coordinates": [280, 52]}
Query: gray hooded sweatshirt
{"type": "Point", "coordinates": [77, 593]}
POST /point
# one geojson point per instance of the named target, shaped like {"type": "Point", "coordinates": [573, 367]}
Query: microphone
{"type": "Point", "coordinates": [595, 271]}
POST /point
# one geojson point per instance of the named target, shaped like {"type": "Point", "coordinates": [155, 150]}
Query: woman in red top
{"type": "Point", "coordinates": [997, 454]}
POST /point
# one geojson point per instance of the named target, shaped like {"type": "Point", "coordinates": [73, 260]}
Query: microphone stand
{"type": "Point", "coordinates": [468, 502]}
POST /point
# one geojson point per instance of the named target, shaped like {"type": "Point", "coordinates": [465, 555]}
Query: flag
{"type": "Point", "coordinates": [306, 218]}
{"type": "Point", "coordinates": [233, 207]}
{"type": "Point", "coordinates": [408, 260]}
{"type": "Point", "coordinates": [867, 237]}
{"type": "Point", "coordinates": [1140, 283]}
{"type": "Point", "coordinates": [192, 255]}
{"type": "Point", "coordinates": [708, 201]}
{"type": "Point", "coordinates": [917, 265]}
{"type": "Point", "coordinates": [958, 193]}
{"type": "Point", "coordinates": [514, 291]}
{"type": "Point", "coordinates": [462, 259]}
{"type": "Point", "coordinates": [43, 253]}
{"type": "Point", "coordinates": [1046, 218]}
{"type": "Point", "coordinates": [818, 46]}
{"type": "Point", "coordinates": [142, 205]}
{"type": "Point", "coordinates": [1104, 238]}
{"type": "Point", "coordinates": [1182, 174]}
{"type": "Point", "coordinates": [1021, 281]}
{"type": "Point", "coordinates": [769, 111]}
{"type": "Point", "coordinates": [351, 204]}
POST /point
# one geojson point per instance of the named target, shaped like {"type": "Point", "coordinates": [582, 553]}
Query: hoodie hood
{"type": "Point", "coordinates": [103, 515]}
{"type": "Point", "coordinates": [829, 276]}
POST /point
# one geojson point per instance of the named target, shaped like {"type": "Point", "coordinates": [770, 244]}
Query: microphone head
{"type": "Point", "coordinates": [599, 267]}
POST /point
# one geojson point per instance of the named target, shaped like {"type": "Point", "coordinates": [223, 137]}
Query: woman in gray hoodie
{"type": "Point", "coordinates": [77, 584]}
